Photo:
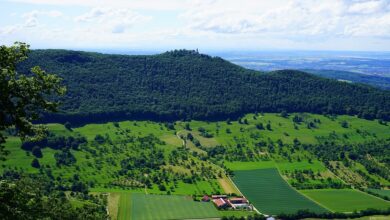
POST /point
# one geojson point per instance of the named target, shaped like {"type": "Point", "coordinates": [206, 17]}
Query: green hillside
{"type": "Point", "coordinates": [149, 157]}
{"type": "Point", "coordinates": [188, 85]}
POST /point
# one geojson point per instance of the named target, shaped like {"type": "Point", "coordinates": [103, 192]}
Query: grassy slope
{"type": "Point", "coordinates": [281, 165]}
{"type": "Point", "coordinates": [228, 186]}
{"type": "Point", "coordinates": [240, 133]}
{"type": "Point", "coordinates": [19, 158]}
{"type": "Point", "coordinates": [282, 126]}
{"type": "Point", "coordinates": [346, 200]}
{"type": "Point", "coordinates": [251, 165]}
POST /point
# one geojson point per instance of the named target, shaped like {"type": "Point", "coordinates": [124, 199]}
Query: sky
{"type": "Point", "coordinates": [238, 25]}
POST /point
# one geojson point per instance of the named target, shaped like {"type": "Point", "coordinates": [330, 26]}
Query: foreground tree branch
{"type": "Point", "coordinates": [24, 97]}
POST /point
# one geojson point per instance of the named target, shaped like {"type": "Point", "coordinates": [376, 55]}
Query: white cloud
{"type": "Point", "coordinates": [158, 5]}
{"type": "Point", "coordinates": [290, 18]}
{"type": "Point", "coordinates": [375, 26]}
{"type": "Point", "coordinates": [31, 18]}
{"type": "Point", "coordinates": [91, 15]}
{"type": "Point", "coordinates": [30, 21]}
{"type": "Point", "coordinates": [284, 17]}
{"type": "Point", "coordinates": [9, 29]}
{"type": "Point", "coordinates": [110, 19]}
{"type": "Point", "coordinates": [208, 22]}
{"type": "Point", "coordinates": [367, 7]}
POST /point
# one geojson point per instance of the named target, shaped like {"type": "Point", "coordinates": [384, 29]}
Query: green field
{"type": "Point", "coordinates": [281, 165]}
{"type": "Point", "coordinates": [346, 200]}
{"type": "Point", "coordinates": [250, 165]}
{"type": "Point", "coordinates": [158, 207]}
{"type": "Point", "coordinates": [382, 192]}
{"type": "Point", "coordinates": [270, 194]}
{"type": "Point", "coordinates": [124, 206]}
{"type": "Point", "coordinates": [283, 128]}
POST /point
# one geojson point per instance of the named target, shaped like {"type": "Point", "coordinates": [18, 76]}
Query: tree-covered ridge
{"type": "Point", "coordinates": [184, 84]}
{"type": "Point", "coordinates": [353, 77]}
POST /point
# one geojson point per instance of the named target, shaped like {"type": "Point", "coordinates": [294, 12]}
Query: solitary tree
{"type": "Point", "coordinates": [69, 126]}
{"type": "Point", "coordinates": [36, 151]}
{"type": "Point", "coordinates": [23, 97]}
{"type": "Point", "coordinates": [35, 163]}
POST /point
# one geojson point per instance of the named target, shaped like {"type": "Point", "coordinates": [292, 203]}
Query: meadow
{"type": "Point", "coordinates": [251, 165]}
{"type": "Point", "coordinates": [155, 207]}
{"type": "Point", "coordinates": [101, 162]}
{"type": "Point", "coordinates": [281, 165]}
{"type": "Point", "coordinates": [270, 194]}
{"type": "Point", "coordinates": [285, 129]}
{"type": "Point", "coordinates": [382, 192]}
{"type": "Point", "coordinates": [346, 200]}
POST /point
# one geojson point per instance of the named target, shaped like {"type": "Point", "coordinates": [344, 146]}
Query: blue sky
{"type": "Point", "coordinates": [354, 25]}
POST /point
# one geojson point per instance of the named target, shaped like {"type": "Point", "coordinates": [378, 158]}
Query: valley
{"type": "Point", "coordinates": [275, 160]}
{"type": "Point", "coordinates": [194, 110]}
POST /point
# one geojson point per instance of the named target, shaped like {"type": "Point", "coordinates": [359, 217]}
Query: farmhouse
{"type": "Point", "coordinates": [206, 198]}
{"type": "Point", "coordinates": [218, 196]}
{"type": "Point", "coordinates": [220, 203]}
{"type": "Point", "coordinates": [238, 203]}
{"type": "Point", "coordinates": [238, 200]}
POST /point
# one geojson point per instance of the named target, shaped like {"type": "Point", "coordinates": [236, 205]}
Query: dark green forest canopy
{"type": "Point", "coordinates": [184, 84]}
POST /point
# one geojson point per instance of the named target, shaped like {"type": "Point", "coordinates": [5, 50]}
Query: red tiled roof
{"type": "Point", "coordinates": [206, 198]}
{"type": "Point", "coordinates": [219, 202]}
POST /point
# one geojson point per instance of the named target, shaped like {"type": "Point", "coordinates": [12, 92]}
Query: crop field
{"type": "Point", "coordinates": [270, 194]}
{"type": "Point", "coordinates": [155, 207]}
{"type": "Point", "coordinates": [124, 206]}
{"type": "Point", "coordinates": [382, 192]}
{"type": "Point", "coordinates": [346, 200]}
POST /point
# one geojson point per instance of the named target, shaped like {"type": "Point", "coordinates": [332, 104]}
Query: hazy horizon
{"type": "Point", "coordinates": [209, 25]}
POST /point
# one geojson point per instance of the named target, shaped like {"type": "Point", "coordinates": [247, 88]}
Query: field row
{"type": "Point", "coordinates": [262, 184]}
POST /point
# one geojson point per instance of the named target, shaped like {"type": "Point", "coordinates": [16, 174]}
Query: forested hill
{"type": "Point", "coordinates": [373, 80]}
{"type": "Point", "coordinates": [188, 85]}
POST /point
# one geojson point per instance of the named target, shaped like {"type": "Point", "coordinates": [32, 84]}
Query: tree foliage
{"type": "Point", "coordinates": [24, 97]}
{"type": "Point", "coordinates": [188, 85]}
{"type": "Point", "coordinates": [25, 197]}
